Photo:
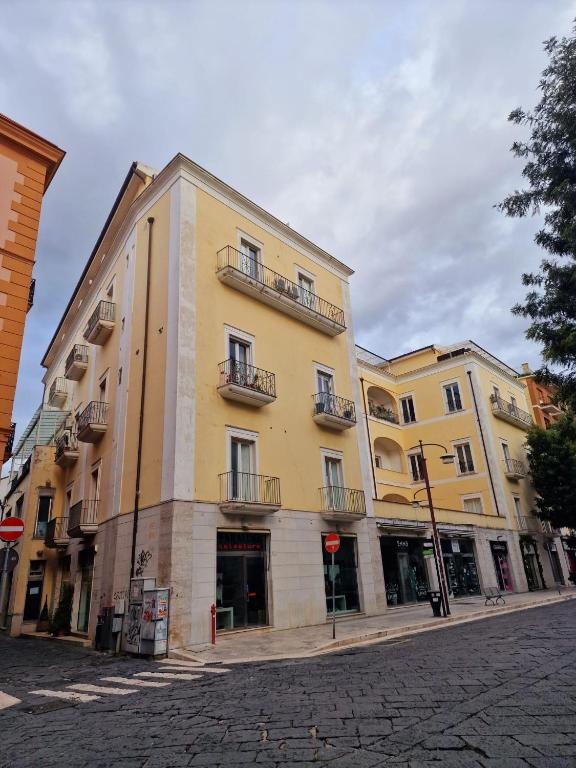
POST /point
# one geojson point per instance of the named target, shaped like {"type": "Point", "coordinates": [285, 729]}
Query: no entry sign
{"type": "Point", "coordinates": [11, 528]}
{"type": "Point", "coordinates": [332, 543]}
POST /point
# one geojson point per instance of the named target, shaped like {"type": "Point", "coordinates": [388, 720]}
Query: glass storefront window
{"type": "Point", "coordinates": [460, 567]}
{"type": "Point", "coordinates": [241, 594]}
{"type": "Point", "coordinates": [345, 573]}
{"type": "Point", "coordinates": [404, 570]}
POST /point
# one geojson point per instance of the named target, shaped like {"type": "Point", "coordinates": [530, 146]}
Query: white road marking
{"type": "Point", "coordinates": [69, 695]}
{"type": "Point", "coordinates": [7, 701]}
{"type": "Point", "coordinates": [200, 670]}
{"type": "Point", "coordinates": [131, 681]}
{"type": "Point", "coordinates": [168, 675]}
{"type": "Point", "coordinates": [89, 688]}
{"type": "Point", "coordinates": [179, 663]}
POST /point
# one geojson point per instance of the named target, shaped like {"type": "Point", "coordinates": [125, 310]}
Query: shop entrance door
{"type": "Point", "coordinates": [501, 565]}
{"type": "Point", "coordinates": [241, 580]}
{"type": "Point", "coordinates": [407, 579]}
{"type": "Point", "coordinates": [86, 562]}
{"type": "Point", "coordinates": [33, 601]}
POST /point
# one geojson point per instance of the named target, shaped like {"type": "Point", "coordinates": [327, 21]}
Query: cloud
{"type": "Point", "coordinates": [377, 129]}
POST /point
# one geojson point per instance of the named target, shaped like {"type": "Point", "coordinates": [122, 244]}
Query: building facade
{"type": "Point", "coordinates": [27, 165]}
{"type": "Point", "coordinates": [541, 398]}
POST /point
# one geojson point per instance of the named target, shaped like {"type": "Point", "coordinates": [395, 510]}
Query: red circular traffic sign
{"type": "Point", "coordinates": [332, 543]}
{"type": "Point", "coordinates": [11, 528]}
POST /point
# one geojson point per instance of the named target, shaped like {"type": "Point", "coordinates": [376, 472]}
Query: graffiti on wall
{"type": "Point", "coordinates": [142, 562]}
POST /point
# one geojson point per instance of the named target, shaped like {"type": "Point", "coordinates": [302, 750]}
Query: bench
{"type": "Point", "coordinates": [492, 595]}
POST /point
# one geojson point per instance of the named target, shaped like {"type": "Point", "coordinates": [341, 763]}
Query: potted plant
{"type": "Point", "coordinates": [61, 620]}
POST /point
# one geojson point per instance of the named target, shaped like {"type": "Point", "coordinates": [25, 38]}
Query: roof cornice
{"type": "Point", "coordinates": [47, 152]}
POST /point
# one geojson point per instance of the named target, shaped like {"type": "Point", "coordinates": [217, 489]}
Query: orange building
{"type": "Point", "coordinates": [27, 164]}
{"type": "Point", "coordinates": [541, 397]}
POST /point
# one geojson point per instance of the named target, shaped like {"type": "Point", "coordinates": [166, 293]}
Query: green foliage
{"type": "Point", "coordinates": [552, 459]}
{"type": "Point", "coordinates": [550, 172]}
{"type": "Point", "coordinates": [61, 620]}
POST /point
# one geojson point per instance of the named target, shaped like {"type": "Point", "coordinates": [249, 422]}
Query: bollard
{"type": "Point", "coordinates": [213, 622]}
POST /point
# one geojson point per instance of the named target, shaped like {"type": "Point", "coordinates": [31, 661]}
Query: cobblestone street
{"type": "Point", "coordinates": [498, 692]}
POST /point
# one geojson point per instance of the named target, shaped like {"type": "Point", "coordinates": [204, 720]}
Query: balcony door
{"type": "Point", "coordinates": [242, 465]}
{"type": "Point", "coordinates": [334, 482]}
{"type": "Point", "coordinates": [240, 359]}
{"type": "Point", "coordinates": [250, 259]}
{"type": "Point", "coordinates": [325, 387]}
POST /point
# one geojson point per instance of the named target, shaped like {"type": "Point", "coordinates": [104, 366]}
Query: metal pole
{"type": "Point", "coordinates": [333, 600]}
{"type": "Point", "coordinates": [3, 588]}
{"type": "Point", "coordinates": [435, 539]}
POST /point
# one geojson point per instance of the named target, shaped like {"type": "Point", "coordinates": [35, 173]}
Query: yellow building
{"type": "Point", "coordinates": [205, 370]}
{"type": "Point", "coordinates": [475, 406]}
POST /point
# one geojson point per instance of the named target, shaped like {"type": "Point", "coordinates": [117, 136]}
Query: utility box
{"type": "Point", "coordinates": [133, 619]}
{"type": "Point", "coordinates": [154, 624]}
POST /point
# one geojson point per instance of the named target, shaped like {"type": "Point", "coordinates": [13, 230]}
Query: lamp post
{"type": "Point", "coordinates": [447, 458]}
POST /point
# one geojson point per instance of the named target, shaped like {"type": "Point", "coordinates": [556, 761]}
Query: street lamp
{"type": "Point", "coordinates": [446, 458]}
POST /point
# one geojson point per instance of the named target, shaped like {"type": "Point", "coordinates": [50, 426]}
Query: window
{"type": "Point", "coordinates": [517, 507]}
{"type": "Point", "coordinates": [473, 504]}
{"type": "Point", "coordinates": [95, 483]}
{"type": "Point", "coordinates": [416, 467]}
{"type": "Point", "coordinates": [506, 452]}
{"type": "Point", "coordinates": [250, 261]}
{"type": "Point", "coordinates": [378, 462]}
{"type": "Point", "coordinates": [42, 516]}
{"type": "Point", "coordinates": [334, 479]}
{"type": "Point", "coordinates": [110, 291]}
{"type": "Point", "coordinates": [243, 477]}
{"type": "Point", "coordinates": [408, 412]}
{"type": "Point", "coordinates": [102, 390]}
{"type": "Point", "coordinates": [496, 391]}
{"type": "Point", "coordinates": [19, 506]}
{"type": "Point", "coordinates": [325, 402]}
{"type": "Point", "coordinates": [452, 397]}
{"type": "Point", "coordinates": [464, 461]}
{"type": "Point", "coordinates": [306, 292]}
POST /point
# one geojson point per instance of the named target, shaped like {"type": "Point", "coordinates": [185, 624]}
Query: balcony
{"type": "Point", "coordinates": [510, 412]}
{"type": "Point", "coordinates": [9, 443]}
{"type": "Point", "coordinates": [57, 533]}
{"type": "Point", "coordinates": [101, 323]}
{"type": "Point", "coordinates": [550, 408]}
{"type": "Point", "coordinates": [58, 392]}
{"type": "Point", "coordinates": [76, 362]}
{"type": "Point", "coordinates": [333, 412]}
{"type": "Point", "coordinates": [67, 452]}
{"type": "Point", "coordinates": [529, 524]}
{"type": "Point", "coordinates": [246, 494]}
{"type": "Point", "coordinates": [31, 292]}
{"type": "Point", "coordinates": [250, 276]}
{"type": "Point", "coordinates": [514, 469]}
{"type": "Point", "coordinates": [92, 422]}
{"type": "Point", "coordinates": [342, 504]}
{"type": "Point", "coordinates": [382, 412]}
{"type": "Point", "coordinates": [83, 519]}
{"type": "Point", "coordinates": [246, 384]}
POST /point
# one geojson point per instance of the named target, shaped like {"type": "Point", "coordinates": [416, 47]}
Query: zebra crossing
{"type": "Point", "coordinates": [167, 672]}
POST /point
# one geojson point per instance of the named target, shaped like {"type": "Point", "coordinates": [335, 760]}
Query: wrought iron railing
{"type": "Point", "coordinates": [57, 388]}
{"type": "Point", "coordinates": [83, 513]}
{"type": "Point", "coordinates": [244, 375]}
{"type": "Point", "coordinates": [529, 523]}
{"type": "Point", "coordinates": [324, 402]}
{"type": "Point", "coordinates": [31, 292]}
{"type": "Point", "coordinates": [65, 440]}
{"type": "Point", "coordinates": [10, 442]}
{"type": "Point", "coordinates": [335, 498]}
{"type": "Point", "coordinates": [382, 412]}
{"type": "Point", "coordinates": [57, 528]}
{"type": "Point", "coordinates": [253, 489]}
{"type": "Point", "coordinates": [501, 406]}
{"type": "Point", "coordinates": [105, 312]}
{"type": "Point", "coordinates": [95, 412]}
{"type": "Point", "coordinates": [78, 354]}
{"type": "Point", "coordinates": [514, 467]}
{"type": "Point", "coordinates": [254, 269]}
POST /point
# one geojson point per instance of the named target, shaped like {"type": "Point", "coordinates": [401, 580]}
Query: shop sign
{"type": "Point", "coordinates": [455, 545]}
{"type": "Point", "coordinates": [427, 549]}
{"type": "Point", "coordinates": [244, 546]}
{"type": "Point", "coordinates": [402, 544]}
{"type": "Point", "coordinates": [498, 547]}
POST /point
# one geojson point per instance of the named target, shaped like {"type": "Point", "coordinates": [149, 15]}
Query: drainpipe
{"type": "Point", "coordinates": [369, 440]}
{"type": "Point", "coordinates": [142, 401]}
{"type": "Point", "coordinates": [483, 443]}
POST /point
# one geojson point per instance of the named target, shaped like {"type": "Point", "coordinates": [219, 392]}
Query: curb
{"type": "Point", "coordinates": [371, 638]}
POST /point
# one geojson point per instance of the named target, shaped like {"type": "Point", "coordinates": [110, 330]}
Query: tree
{"type": "Point", "coordinates": [550, 172]}
{"type": "Point", "coordinates": [552, 459]}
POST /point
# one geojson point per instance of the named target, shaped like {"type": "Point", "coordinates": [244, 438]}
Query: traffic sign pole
{"type": "Point", "coordinates": [11, 528]}
{"type": "Point", "coordinates": [4, 587]}
{"type": "Point", "coordinates": [333, 599]}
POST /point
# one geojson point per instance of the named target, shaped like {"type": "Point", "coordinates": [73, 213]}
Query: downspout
{"type": "Point", "coordinates": [483, 443]}
{"type": "Point", "coordinates": [369, 440]}
{"type": "Point", "coordinates": [142, 401]}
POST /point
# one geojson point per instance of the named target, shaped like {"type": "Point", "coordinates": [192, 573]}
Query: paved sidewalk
{"type": "Point", "coordinates": [269, 644]}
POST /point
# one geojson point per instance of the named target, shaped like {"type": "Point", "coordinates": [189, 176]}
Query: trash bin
{"type": "Point", "coordinates": [436, 602]}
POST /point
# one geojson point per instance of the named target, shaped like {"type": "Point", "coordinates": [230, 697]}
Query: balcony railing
{"type": "Point", "coordinates": [83, 518]}
{"type": "Point", "coordinates": [9, 442]}
{"type": "Point", "coordinates": [76, 362]}
{"type": "Point", "coordinates": [92, 422]}
{"type": "Point", "coordinates": [58, 392]}
{"type": "Point", "coordinates": [101, 322]}
{"type": "Point", "coordinates": [529, 523]}
{"type": "Point", "coordinates": [514, 468]}
{"type": "Point", "coordinates": [31, 292]}
{"type": "Point", "coordinates": [245, 383]}
{"type": "Point", "coordinates": [382, 412]}
{"type": "Point", "coordinates": [249, 494]}
{"type": "Point", "coordinates": [339, 503]}
{"type": "Point", "coordinates": [251, 276]}
{"type": "Point", "coordinates": [510, 412]}
{"type": "Point", "coordinates": [57, 532]}
{"type": "Point", "coordinates": [66, 442]}
{"type": "Point", "coordinates": [333, 411]}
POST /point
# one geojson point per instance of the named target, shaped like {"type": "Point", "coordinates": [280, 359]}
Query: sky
{"type": "Point", "coordinates": [377, 129]}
